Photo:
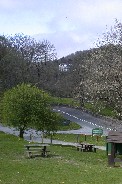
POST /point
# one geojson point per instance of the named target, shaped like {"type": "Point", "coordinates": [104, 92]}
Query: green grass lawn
{"type": "Point", "coordinates": [64, 165]}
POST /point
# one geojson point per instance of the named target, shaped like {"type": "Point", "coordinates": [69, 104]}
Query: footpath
{"type": "Point", "coordinates": [49, 141]}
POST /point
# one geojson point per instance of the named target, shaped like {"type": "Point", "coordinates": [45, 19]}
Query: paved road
{"type": "Point", "coordinates": [86, 120]}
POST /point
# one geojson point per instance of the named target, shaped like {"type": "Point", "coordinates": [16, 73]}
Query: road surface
{"type": "Point", "coordinates": [86, 120]}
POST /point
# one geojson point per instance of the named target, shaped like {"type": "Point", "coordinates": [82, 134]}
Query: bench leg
{"type": "Point", "coordinates": [44, 154]}
{"type": "Point", "coordinates": [83, 150]}
{"type": "Point", "coordinates": [29, 154]}
{"type": "Point", "coordinates": [77, 149]}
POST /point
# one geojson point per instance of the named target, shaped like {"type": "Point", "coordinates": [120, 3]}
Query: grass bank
{"type": "Point", "coordinates": [101, 109]}
{"type": "Point", "coordinates": [65, 101]}
{"type": "Point", "coordinates": [64, 166]}
{"type": "Point", "coordinates": [98, 107]}
{"type": "Point", "coordinates": [71, 126]}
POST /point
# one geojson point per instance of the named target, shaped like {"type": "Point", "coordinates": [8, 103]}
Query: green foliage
{"type": "Point", "coordinates": [26, 106]}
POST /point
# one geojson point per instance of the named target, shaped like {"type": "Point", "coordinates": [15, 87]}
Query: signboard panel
{"type": "Point", "coordinates": [97, 131]}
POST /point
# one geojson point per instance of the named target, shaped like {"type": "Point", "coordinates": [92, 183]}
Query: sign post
{"type": "Point", "coordinates": [97, 132]}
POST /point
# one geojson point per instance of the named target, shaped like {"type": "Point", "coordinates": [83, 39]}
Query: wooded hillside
{"type": "Point", "coordinates": [91, 75]}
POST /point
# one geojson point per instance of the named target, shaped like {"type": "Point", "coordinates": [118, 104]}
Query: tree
{"type": "Point", "coordinates": [112, 36]}
{"type": "Point", "coordinates": [25, 106]}
{"type": "Point", "coordinates": [44, 52]}
{"type": "Point", "coordinates": [14, 69]}
{"type": "Point", "coordinates": [111, 52]}
{"type": "Point", "coordinates": [4, 46]}
{"type": "Point", "coordinates": [32, 50]}
{"type": "Point", "coordinates": [22, 59]}
{"type": "Point", "coordinates": [104, 82]}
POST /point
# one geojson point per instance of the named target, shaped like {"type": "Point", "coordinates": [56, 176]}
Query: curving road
{"type": "Point", "coordinates": [86, 120]}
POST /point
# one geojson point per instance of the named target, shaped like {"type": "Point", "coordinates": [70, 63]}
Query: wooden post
{"type": "Point", "coordinates": [85, 137]}
{"type": "Point", "coordinates": [77, 137]}
{"type": "Point", "coordinates": [107, 148]}
{"type": "Point", "coordinates": [97, 137]}
{"type": "Point", "coordinates": [30, 136]}
{"type": "Point", "coordinates": [92, 136]}
{"type": "Point", "coordinates": [51, 138]}
{"type": "Point", "coordinates": [111, 156]}
{"type": "Point", "coordinates": [42, 136]}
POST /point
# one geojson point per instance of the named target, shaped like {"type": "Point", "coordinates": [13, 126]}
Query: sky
{"type": "Point", "coordinates": [71, 25]}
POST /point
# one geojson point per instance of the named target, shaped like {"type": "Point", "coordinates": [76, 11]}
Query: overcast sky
{"type": "Point", "coordinates": [71, 25]}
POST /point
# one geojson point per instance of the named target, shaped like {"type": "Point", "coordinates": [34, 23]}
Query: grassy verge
{"type": "Point", "coordinates": [101, 109]}
{"type": "Point", "coordinates": [65, 101]}
{"type": "Point", "coordinates": [65, 165]}
{"type": "Point", "coordinates": [101, 141]}
{"type": "Point", "coordinates": [98, 108]}
{"type": "Point", "coordinates": [71, 126]}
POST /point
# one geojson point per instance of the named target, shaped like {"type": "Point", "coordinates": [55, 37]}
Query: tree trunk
{"type": "Point", "coordinates": [42, 136]}
{"type": "Point", "coordinates": [21, 133]}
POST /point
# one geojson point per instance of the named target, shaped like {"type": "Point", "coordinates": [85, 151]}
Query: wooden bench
{"type": "Point", "coordinates": [86, 147]}
{"type": "Point", "coordinates": [94, 149]}
{"type": "Point", "coordinates": [35, 153]}
{"type": "Point", "coordinates": [80, 148]}
{"type": "Point", "coordinates": [34, 150]}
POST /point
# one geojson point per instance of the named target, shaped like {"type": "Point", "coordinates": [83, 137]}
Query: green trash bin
{"type": "Point", "coordinates": [108, 148]}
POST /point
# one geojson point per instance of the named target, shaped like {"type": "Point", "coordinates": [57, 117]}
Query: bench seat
{"type": "Point", "coordinates": [79, 148]}
{"type": "Point", "coordinates": [36, 152]}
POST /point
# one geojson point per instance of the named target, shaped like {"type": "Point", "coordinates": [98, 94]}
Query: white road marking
{"type": "Point", "coordinates": [82, 119]}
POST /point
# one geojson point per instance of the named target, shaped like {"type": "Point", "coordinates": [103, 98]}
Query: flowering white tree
{"type": "Point", "coordinates": [104, 81]}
